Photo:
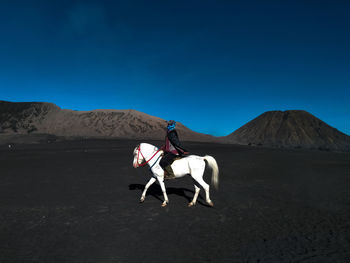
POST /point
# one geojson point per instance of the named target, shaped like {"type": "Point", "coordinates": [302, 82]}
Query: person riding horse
{"type": "Point", "coordinates": [172, 149]}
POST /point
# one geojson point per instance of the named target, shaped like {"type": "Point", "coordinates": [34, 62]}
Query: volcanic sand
{"type": "Point", "coordinates": [78, 201]}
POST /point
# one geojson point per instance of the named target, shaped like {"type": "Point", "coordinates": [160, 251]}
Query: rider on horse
{"type": "Point", "coordinates": [172, 149]}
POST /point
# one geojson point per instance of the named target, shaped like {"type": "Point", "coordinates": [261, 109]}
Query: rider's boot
{"type": "Point", "coordinates": [169, 173]}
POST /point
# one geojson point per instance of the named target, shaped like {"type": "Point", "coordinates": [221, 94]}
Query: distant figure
{"type": "Point", "coordinates": [172, 149]}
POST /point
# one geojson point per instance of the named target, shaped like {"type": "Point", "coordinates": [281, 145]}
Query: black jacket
{"type": "Point", "coordinates": [174, 139]}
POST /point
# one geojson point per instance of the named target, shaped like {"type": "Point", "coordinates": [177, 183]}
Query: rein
{"type": "Point", "coordinates": [138, 154]}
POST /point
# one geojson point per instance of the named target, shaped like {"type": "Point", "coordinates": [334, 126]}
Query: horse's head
{"type": "Point", "coordinates": [138, 157]}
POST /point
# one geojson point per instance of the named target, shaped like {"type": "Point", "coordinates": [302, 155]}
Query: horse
{"type": "Point", "coordinates": [193, 165]}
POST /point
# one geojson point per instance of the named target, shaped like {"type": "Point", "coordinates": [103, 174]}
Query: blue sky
{"type": "Point", "coordinates": [212, 65]}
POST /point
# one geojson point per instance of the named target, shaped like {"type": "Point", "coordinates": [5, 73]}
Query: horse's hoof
{"type": "Point", "coordinates": [211, 204]}
{"type": "Point", "coordinates": [164, 204]}
{"type": "Point", "coordinates": [142, 200]}
{"type": "Point", "coordinates": [190, 204]}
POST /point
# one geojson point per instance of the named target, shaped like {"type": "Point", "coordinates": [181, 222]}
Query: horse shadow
{"type": "Point", "coordinates": [156, 192]}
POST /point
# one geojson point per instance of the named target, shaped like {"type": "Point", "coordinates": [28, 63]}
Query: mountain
{"type": "Point", "coordinates": [47, 118]}
{"type": "Point", "coordinates": [282, 129]}
{"type": "Point", "coordinates": [290, 129]}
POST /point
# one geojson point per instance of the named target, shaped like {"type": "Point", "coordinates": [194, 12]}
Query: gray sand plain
{"type": "Point", "coordinates": [78, 201]}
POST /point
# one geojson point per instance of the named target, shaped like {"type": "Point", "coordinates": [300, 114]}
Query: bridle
{"type": "Point", "coordinates": [138, 155]}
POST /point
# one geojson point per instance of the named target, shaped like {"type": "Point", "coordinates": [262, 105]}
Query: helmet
{"type": "Point", "coordinates": [171, 125]}
{"type": "Point", "coordinates": [171, 122]}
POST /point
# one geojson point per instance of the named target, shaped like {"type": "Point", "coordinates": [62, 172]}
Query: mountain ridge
{"type": "Point", "coordinates": [48, 118]}
{"type": "Point", "coordinates": [277, 129]}
{"type": "Point", "coordinates": [290, 129]}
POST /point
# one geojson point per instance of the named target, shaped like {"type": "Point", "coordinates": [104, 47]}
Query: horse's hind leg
{"type": "Point", "coordinates": [150, 182]}
{"type": "Point", "coordinates": [162, 186]}
{"type": "Point", "coordinates": [199, 179]}
{"type": "Point", "coordinates": [194, 200]}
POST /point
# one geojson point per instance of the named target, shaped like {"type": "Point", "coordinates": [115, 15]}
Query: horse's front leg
{"type": "Point", "coordinates": [161, 182]}
{"type": "Point", "coordinates": [150, 182]}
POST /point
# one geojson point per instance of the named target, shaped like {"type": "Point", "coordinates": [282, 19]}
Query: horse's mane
{"type": "Point", "coordinates": [136, 149]}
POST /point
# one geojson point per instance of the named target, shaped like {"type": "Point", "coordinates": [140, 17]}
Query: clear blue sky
{"type": "Point", "coordinates": [212, 65]}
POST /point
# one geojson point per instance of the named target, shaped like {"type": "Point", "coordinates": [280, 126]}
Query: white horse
{"type": "Point", "coordinates": [193, 165]}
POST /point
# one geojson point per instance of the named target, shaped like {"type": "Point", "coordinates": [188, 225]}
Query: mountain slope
{"type": "Point", "coordinates": [290, 129]}
{"type": "Point", "coordinates": [47, 118]}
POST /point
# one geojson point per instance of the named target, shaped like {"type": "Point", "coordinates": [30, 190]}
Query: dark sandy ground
{"type": "Point", "coordinates": [78, 201]}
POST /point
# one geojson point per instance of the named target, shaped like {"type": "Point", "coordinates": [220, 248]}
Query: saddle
{"type": "Point", "coordinates": [178, 157]}
{"type": "Point", "coordinates": [169, 174]}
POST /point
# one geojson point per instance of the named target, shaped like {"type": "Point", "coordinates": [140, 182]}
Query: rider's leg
{"type": "Point", "coordinates": [170, 173]}
{"type": "Point", "coordinates": [165, 163]}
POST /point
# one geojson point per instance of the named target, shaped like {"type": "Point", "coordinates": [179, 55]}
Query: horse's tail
{"type": "Point", "coordinates": [215, 170]}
